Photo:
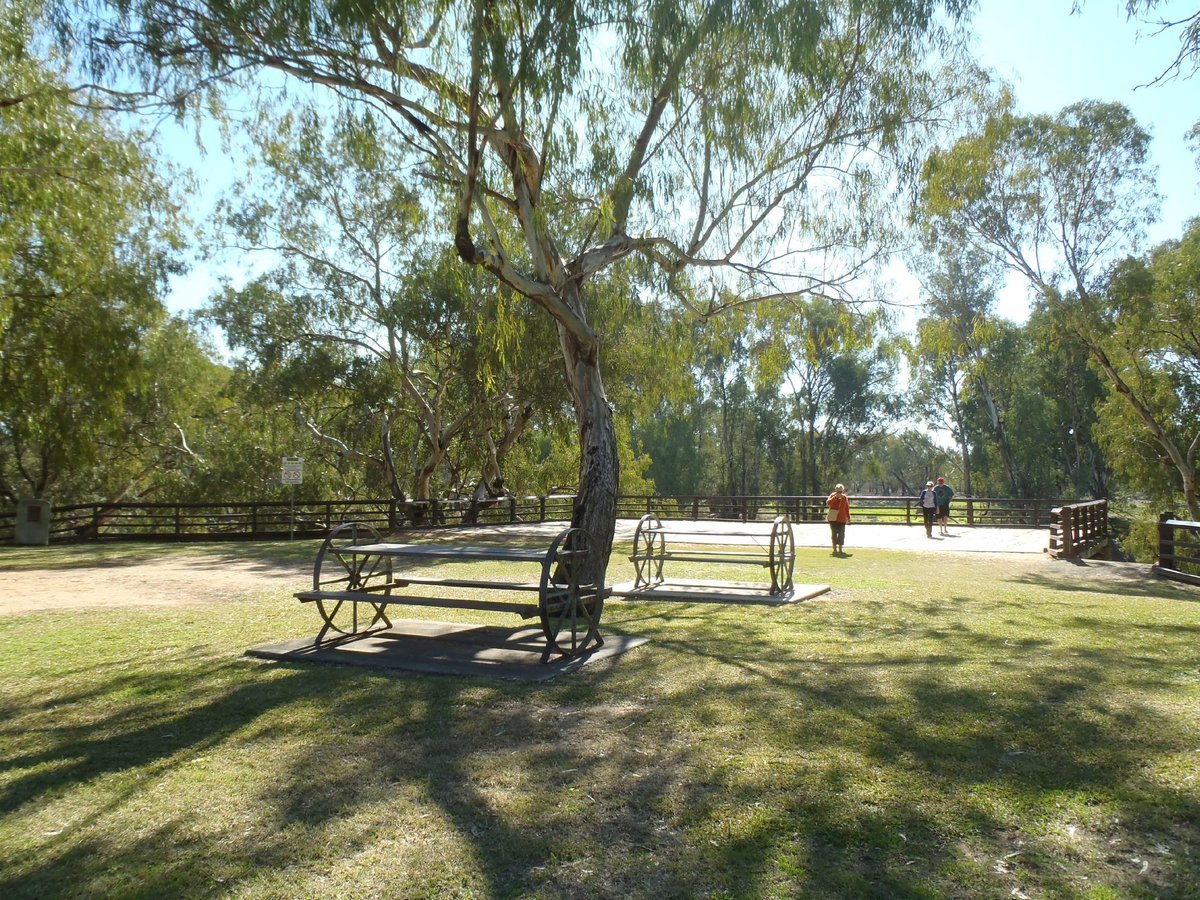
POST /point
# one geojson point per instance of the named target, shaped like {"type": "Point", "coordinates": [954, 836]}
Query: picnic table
{"type": "Point", "coordinates": [652, 550]}
{"type": "Point", "coordinates": [357, 576]}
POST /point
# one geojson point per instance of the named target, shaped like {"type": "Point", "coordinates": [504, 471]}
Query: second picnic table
{"type": "Point", "coordinates": [651, 550]}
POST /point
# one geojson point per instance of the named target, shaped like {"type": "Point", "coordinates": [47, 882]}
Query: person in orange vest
{"type": "Point", "coordinates": [839, 517]}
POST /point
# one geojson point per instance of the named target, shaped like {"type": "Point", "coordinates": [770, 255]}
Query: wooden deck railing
{"type": "Point", "coordinates": [1178, 549]}
{"type": "Point", "coordinates": [265, 520]}
{"type": "Point", "coordinates": [1080, 531]}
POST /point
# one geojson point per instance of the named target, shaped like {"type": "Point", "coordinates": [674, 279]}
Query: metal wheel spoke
{"type": "Point", "coordinates": [562, 609]}
{"type": "Point", "coordinates": [783, 555]}
{"type": "Point", "coordinates": [366, 573]}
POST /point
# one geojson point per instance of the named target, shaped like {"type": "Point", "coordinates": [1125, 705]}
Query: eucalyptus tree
{"type": "Point", "coordinates": [723, 430]}
{"type": "Point", "coordinates": [1019, 459]}
{"type": "Point", "coordinates": [1059, 199]}
{"type": "Point", "coordinates": [370, 329]}
{"type": "Point", "coordinates": [902, 461]}
{"type": "Point", "coordinates": [88, 235]}
{"type": "Point", "coordinates": [1152, 321]}
{"type": "Point", "coordinates": [836, 371]}
{"type": "Point", "coordinates": [716, 137]}
{"type": "Point", "coordinates": [948, 358]}
{"type": "Point", "coordinates": [1059, 359]}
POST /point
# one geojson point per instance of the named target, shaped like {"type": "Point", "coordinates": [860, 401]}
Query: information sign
{"type": "Point", "coordinates": [293, 470]}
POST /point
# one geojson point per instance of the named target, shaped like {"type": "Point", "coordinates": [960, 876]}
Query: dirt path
{"type": "Point", "coordinates": [160, 582]}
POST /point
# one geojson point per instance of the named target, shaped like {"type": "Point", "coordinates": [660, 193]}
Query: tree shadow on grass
{"type": "Point", "coordinates": [755, 755]}
{"type": "Point", "coordinates": [1127, 580]}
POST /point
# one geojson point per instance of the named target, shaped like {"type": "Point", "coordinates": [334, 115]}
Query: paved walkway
{"type": "Point", "coordinates": [891, 537]}
{"type": "Point", "coordinates": [912, 537]}
{"type": "Point", "coordinates": [816, 534]}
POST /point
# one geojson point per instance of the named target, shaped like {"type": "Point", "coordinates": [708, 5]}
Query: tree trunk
{"type": "Point", "coordinates": [599, 469]}
{"type": "Point", "coordinates": [423, 510]}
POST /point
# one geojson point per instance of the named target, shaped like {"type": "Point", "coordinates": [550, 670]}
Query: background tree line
{"type": "Point", "coordinates": [370, 348]}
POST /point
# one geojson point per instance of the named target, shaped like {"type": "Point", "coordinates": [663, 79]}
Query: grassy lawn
{"type": "Point", "coordinates": [935, 726]}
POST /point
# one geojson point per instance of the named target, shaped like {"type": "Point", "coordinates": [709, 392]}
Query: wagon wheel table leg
{"type": "Point", "coordinates": [570, 611]}
{"type": "Point", "coordinates": [783, 555]}
{"type": "Point", "coordinates": [649, 551]}
{"type": "Point", "coordinates": [369, 574]}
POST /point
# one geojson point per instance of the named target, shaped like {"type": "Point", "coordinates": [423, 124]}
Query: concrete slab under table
{"type": "Point", "coordinates": [447, 648]}
{"type": "Point", "coordinates": [700, 591]}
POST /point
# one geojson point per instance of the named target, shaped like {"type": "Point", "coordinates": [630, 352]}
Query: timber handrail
{"type": "Point", "coordinates": [1080, 531]}
{"type": "Point", "coordinates": [1178, 549]}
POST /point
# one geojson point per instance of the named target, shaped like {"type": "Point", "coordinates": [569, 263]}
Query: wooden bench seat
{"type": "Point", "coordinates": [713, 556]}
{"type": "Point", "coordinates": [524, 610]}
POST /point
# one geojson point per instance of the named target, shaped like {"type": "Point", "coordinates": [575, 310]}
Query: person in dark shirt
{"type": "Point", "coordinates": [941, 495]}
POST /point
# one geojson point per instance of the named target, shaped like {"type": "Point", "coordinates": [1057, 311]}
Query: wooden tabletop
{"type": "Point", "coordinates": [446, 551]}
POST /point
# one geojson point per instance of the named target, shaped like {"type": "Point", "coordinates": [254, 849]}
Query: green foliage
{"type": "Point", "coordinates": [1053, 197]}
{"type": "Point", "coordinates": [838, 387]}
{"type": "Point", "coordinates": [901, 463]}
{"type": "Point", "coordinates": [1058, 199]}
{"type": "Point", "coordinates": [1059, 359]}
{"type": "Point", "coordinates": [406, 368]}
{"type": "Point", "coordinates": [1151, 338]}
{"type": "Point", "coordinates": [88, 234]}
{"type": "Point", "coordinates": [787, 397]}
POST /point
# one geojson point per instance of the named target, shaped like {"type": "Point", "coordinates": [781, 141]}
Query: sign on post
{"type": "Point", "coordinates": [292, 473]}
{"type": "Point", "coordinates": [293, 470]}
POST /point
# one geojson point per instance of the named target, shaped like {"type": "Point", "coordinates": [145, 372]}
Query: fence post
{"type": "Point", "coordinates": [695, 509]}
{"type": "Point", "coordinates": [1066, 520]}
{"type": "Point", "coordinates": [512, 510]}
{"type": "Point", "coordinates": [1166, 542]}
{"type": "Point", "coordinates": [970, 511]}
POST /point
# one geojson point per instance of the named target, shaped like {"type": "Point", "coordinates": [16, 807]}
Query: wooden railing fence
{"type": "Point", "coordinates": [264, 520]}
{"type": "Point", "coordinates": [1080, 531]}
{"type": "Point", "coordinates": [1178, 549]}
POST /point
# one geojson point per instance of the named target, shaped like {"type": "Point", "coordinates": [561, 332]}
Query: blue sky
{"type": "Point", "coordinates": [1052, 58]}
